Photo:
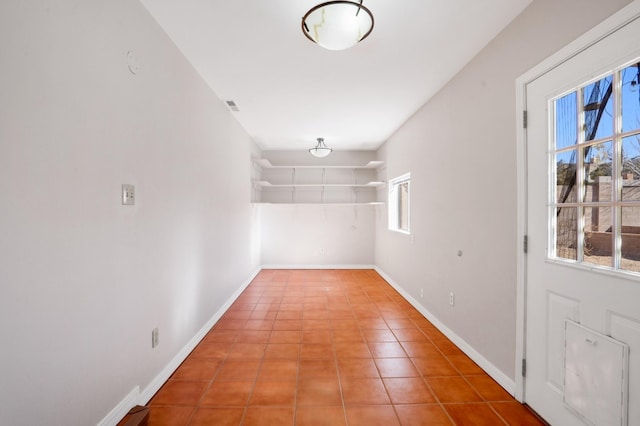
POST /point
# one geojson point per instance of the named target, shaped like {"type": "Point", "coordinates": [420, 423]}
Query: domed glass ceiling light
{"type": "Point", "coordinates": [320, 150]}
{"type": "Point", "coordinates": [337, 25]}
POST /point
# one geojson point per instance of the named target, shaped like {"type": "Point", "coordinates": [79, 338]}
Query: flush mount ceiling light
{"type": "Point", "coordinates": [320, 150]}
{"type": "Point", "coordinates": [337, 25]}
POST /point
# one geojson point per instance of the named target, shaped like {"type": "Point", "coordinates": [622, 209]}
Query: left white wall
{"type": "Point", "coordinates": [83, 279]}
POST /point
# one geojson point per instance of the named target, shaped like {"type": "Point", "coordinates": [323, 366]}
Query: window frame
{"type": "Point", "coordinates": [581, 204]}
{"type": "Point", "coordinates": [395, 204]}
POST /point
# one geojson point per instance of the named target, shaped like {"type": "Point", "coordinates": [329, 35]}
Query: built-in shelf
{"type": "Point", "coordinates": [265, 183]}
{"type": "Point", "coordinates": [266, 164]}
{"type": "Point", "coordinates": [316, 184]}
{"type": "Point", "coordinates": [372, 203]}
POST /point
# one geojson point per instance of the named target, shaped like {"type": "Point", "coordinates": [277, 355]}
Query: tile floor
{"type": "Point", "coordinates": [334, 347]}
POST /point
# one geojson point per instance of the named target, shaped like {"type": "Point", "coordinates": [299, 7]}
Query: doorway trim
{"type": "Point", "coordinates": [610, 25]}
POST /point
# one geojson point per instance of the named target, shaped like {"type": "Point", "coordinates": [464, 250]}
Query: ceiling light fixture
{"type": "Point", "coordinates": [320, 150]}
{"type": "Point", "coordinates": [337, 25]}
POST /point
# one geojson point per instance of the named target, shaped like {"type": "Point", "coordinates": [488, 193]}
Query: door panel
{"type": "Point", "coordinates": [558, 308]}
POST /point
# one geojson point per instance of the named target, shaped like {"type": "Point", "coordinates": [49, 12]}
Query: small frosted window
{"type": "Point", "coordinates": [399, 203]}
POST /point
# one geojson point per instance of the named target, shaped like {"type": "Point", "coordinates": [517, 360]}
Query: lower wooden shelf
{"type": "Point", "coordinates": [372, 203]}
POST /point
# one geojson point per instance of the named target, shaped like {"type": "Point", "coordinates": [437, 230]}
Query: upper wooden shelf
{"type": "Point", "coordinates": [266, 164]}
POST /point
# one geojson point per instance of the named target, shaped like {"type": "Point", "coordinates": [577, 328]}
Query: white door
{"type": "Point", "coordinates": [574, 228]}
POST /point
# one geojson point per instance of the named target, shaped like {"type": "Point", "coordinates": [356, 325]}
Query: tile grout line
{"type": "Point", "coordinates": [298, 362]}
{"type": "Point", "coordinates": [335, 357]}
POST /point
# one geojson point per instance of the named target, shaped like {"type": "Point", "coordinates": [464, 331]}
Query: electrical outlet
{"type": "Point", "coordinates": [421, 293]}
{"type": "Point", "coordinates": [154, 338]}
{"type": "Point", "coordinates": [452, 299]}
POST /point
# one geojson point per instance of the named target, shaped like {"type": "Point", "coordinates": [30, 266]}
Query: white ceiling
{"type": "Point", "coordinates": [291, 91]}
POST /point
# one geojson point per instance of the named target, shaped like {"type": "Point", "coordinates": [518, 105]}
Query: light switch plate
{"type": "Point", "coordinates": [128, 195]}
{"type": "Point", "coordinates": [155, 338]}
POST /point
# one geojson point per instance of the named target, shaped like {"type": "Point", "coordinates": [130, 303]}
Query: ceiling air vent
{"type": "Point", "coordinates": [232, 106]}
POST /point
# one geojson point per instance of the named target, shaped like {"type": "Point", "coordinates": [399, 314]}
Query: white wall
{"type": "Point", "coordinates": [460, 150]}
{"type": "Point", "coordinates": [312, 235]}
{"type": "Point", "coordinates": [83, 279]}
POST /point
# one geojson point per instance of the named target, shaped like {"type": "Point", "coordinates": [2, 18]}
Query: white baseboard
{"type": "Point", "coordinates": [135, 397]}
{"type": "Point", "coordinates": [121, 410]}
{"type": "Point", "coordinates": [164, 375]}
{"type": "Point", "coordinates": [503, 380]}
{"type": "Point", "coordinates": [308, 266]}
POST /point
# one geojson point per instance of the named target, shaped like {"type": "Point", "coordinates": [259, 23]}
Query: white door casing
{"type": "Point", "coordinates": [549, 291]}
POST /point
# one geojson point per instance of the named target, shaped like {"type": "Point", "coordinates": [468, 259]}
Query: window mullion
{"type": "Point", "coordinates": [580, 178]}
{"type": "Point", "coordinates": [616, 171]}
{"type": "Point", "coordinates": [552, 196]}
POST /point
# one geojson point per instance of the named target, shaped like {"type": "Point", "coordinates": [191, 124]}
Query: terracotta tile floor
{"type": "Point", "coordinates": [329, 348]}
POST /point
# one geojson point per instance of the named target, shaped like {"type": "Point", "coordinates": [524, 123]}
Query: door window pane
{"type": "Point", "coordinates": [598, 109]}
{"type": "Point", "coordinates": [598, 235]}
{"type": "Point", "coordinates": [597, 172]}
{"type": "Point", "coordinates": [567, 233]}
{"type": "Point", "coordinates": [631, 239]}
{"type": "Point", "coordinates": [631, 168]}
{"type": "Point", "coordinates": [566, 110]}
{"type": "Point", "coordinates": [566, 188]}
{"type": "Point", "coordinates": [630, 94]}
